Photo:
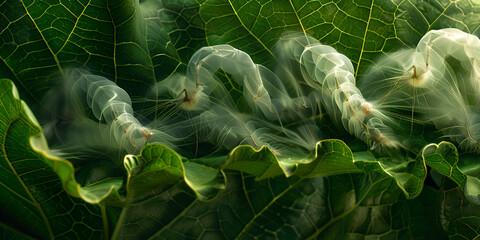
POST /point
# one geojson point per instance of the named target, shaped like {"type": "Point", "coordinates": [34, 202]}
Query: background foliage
{"type": "Point", "coordinates": [341, 192]}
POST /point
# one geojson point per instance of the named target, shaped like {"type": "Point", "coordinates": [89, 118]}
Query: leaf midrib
{"type": "Point", "coordinates": [299, 21]}
{"type": "Point", "coordinates": [249, 31]}
{"type": "Point", "coordinates": [364, 38]}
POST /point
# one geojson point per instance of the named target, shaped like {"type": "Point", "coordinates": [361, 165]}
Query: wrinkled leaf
{"type": "Point", "coordinates": [336, 207]}
{"type": "Point", "coordinates": [157, 168]}
{"type": "Point", "coordinates": [34, 202]}
{"type": "Point", "coordinates": [332, 157]}
{"type": "Point", "coordinates": [409, 175]}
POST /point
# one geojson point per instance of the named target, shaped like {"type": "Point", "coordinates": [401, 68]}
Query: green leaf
{"type": "Point", "coordinates": [205, 182]}
{"type": "Point", "coordinates": [157, 168]}
{"type": "Point", "coordinates": [409, 174]}
{"type": "Point", "coordinates": [470, 166]}
{"type": "Point", "coordinates": [138, 44]}
{"type": "Point", "coordinates": [336, 207]}
{"type": "Point", "coordinates": [152, 172]}
{"type": "Point", "coordinates": [102, 192]}
{"type": "Point", "coordinates": [154, 168]}
{"type": "Point", "coordinates": [34, 203]}
{"type": "Point", "coordinates": [262, 163]}
{"type": "Point", "coordinates": [444, 158]}
{"type": "Point", "coordinates": [459, 216]}
{"type": "Point", "coordinates": [39, 39]}
{"type": "Point", "coordinates": [472, 189]}
{"type": "Point", "coordinates": [463, 171]}
{"type": "Point", "coordinates": [361, 30]}
{"type": "Point", "coordinates": [159, 186]}
{"type": "Point", "coordinates": [331, 157]}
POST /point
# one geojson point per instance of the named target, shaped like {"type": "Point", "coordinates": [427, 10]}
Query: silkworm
{"type": "Point", "coordinates": [332, 73]}
{"type": "Point", "coordinates": [206, 108]}
{"type": "Point", "coordinates": [435, 83]}
{"type": "Point", "coordinates": [110, 104]}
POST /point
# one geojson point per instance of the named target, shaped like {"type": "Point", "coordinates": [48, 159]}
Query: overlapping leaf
{"type": "Point", "coordinates": [341, 206]}
{"type": "Point", "coordinates": [335, 157]}
{"type": "Point", "coordinates": [462, 170]}
{"type": "Point", "coordinates": [157, 168]}
{"type": "Point", "coordinates": [332, 205]}
{"type": "Point", "coordinates": [33, 181]}
{"type": "Point", "coordinates": [34, 203]}
{"type": "Point", "coordinates": [332, 157]}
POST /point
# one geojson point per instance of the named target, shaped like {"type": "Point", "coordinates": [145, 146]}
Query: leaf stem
{"type": "Point", "coordinates": [105, 222]}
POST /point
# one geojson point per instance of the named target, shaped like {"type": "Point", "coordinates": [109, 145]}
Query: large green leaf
{"type": "Point", "coordinates": [331, 157]}
{"type": "Point", "coordinates": [335, 157]}
{"type": "Point", "coordinates": [40, 38]}
{"type": "Point", "coordinates": [136, 45]}
{"type": "Point", "coordinates": [362, 30]}
{"type": "Point", "coordinates": [365, 206]}
{"type": "Point", "coordinates": [33, 201]}
{"type": "Point", "coordinates": [33, 181]}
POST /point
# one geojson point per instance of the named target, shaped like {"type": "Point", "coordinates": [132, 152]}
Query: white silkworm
{"type": "Point", "coordinates": [436, 83]}
{"type": "Point", "coordinates": [212, 113]}
{"type": "Point", "coordinates": [331, 73]}
{"type": "Point", "coordinates": [108, 103]}
{"type": "Point", "coordinates": [245, 72]}
{"type": "Point", "coordinates": [464, 48]}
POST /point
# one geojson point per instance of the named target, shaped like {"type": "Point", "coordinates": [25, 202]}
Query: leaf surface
{"type": "Point", "coordinates": [340, 206]}
{"type": "Point", "coordinates": [39, 39]}
{"type": "Point", "coordinates": [34, 203]}
{"type": "Point", "coordinates": [362, 30]}
{"type": "Point", "coordinates": [459, 216]}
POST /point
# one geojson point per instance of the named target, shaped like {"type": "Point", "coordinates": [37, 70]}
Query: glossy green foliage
{"type": "Point", "coordinates": [30, 189]}
{"type": "Point", "coordinates": [183, 119]}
